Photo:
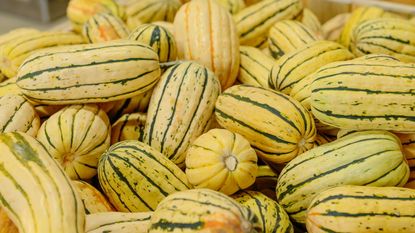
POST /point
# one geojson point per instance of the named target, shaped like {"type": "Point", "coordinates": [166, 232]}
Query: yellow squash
{"type": "Point", "coordinates": [128, 127]}
{"type": "Point", "coordinates": [94, 201]}
{"type": "Point", "coordinates": [104, 27]}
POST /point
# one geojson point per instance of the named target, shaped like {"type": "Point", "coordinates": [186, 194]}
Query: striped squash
{"type": "Point", "coordinates": [254, 22]}
{"type": "Point", "coordinates": [287, 36]}
{"type": "Point", "coordinates": [408, 148]}
{"type": "Point", "coordinates": [89, 73]}
{"type": "Point", "coordinates": [202, 210]}
{"type": "Point", "coordinates": [271, 215]}
{"type": "Point", "coordinates": [205, 33]}
{"type": "Point", "coordinates": [104, 27]}
{"type": "Point", "coordinates": [334, 26]}
{"type": "Point", "coordinates": [322, 139]}
{"type": "Point", "coordinates": [134, 104]}
{"type": "Point", "coordinates": [79, 11]}
{"type": "Point", "coordinates": [254, 67]}
{"type": "Point", "coordinates": [233, 6]}
{"type": "Point", "coordinates": [118, 222]}
{"type": "Point", "coordinates": [180, 108]}
{"type": "Point", "coordinates": [221, 160]}
{"type": "Point", "coordinates": [17, 114]}
{"type": "Point", "coordinates": [265, 182]}
{"type": "Point", "coordinates": [391, 36]}
{"type": "Point", "coordinates": [136, 177]}
{"type": "Point", "coordinates": [276, 125]}
{"type": "Point", "coordinates": [166, 25]}
{"type": "Point", "coordinates": [298, 64]}
{"type": "Point", "coordinates": [16, 51]}
{"type": "Point", "coordinates": [147, 11]}
{"type": "Point", "coordinates": [7, 225]}
{"type": "Point", "coordinates": [362, 209]}
{"type": "Point", "coordinates": [35, 192]}
{"type": "Point", "coordinates": [372, 158]}
{"type": "Point", "coordinates": [158, 38]}
{"type": "Point", "coordinates": [301, 91]}
{"type": "Point", "coordinates": [358, 16]}
{"type": "Point", "coordinates": [358, 95]}
{"type": "Point", "coordinates": [94, 201]}
{"type": "Point", "coordinates": [9, 87]}
{"type": "Point", "coordinates": [76, 136]}
{"type": "Point", "coordinates": [311, 21]}
{"type": "Point", "coordinates": [129, 127]}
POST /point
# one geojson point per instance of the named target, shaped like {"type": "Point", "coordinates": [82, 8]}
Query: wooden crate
{"type": "Point", "coordinates": [326, 9]}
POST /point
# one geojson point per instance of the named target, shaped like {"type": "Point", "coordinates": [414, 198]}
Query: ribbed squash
{"type": "Point", "coordinates": [233, 6]}
{"type": "Point", "coordinates": [166, 25]}
{"type": "Point", "coordinates": [205, 33]}
{"type": "Point", "coordinates": [35, 192]}
{"type": "Point", "coordinates": [202, 210]}
{"type": "Point", "coordinates": [7, 225]}
{"type": "Point", "coordinates": [104, 27]}
{"type": "Point", "coordinates": [358, 16]}
{"type": "Point", "coordinates": [94, 201]}
{"type": "Point", "coordinates": [276, 125]}
{"type": "Point", "coordinates": [118, 222]}
{"type": "Point", "coordinates": [180, 108]}
{"type": "Point", "coordinates": [89, 73]}
{"type": "Point", "coordinates": [17, 114]}
{"type": "Point", "coordinates": [301, 91]}
{"type": "Point", "coordinates": [79, 11]}
{"type": "Point", "coordinates": [254, 67]}
{"type": "Point", "coordinates": [371, 158]}
{"type": "Point", "coordinates": [270, 214]}
{"type": "Point", "coordinates": [136, 177]}
{"type": "Point", "coordinates": [365, 94]}
{"type": "Point", "coordinates": [390, 36]}
{"type": "Point", "coordinates": [147, 11]}
{"type": "Point", "coordinates": [9, 87]}
{"type": "Point", "coordinates": [221, 160]}
{"type": "Point", "coordinates": [311, 21]}
{"type": "Point", "coordinates": [134, 104]}
{"type": "Point", "coordinates": [254, 22]}
{"type": "Point", "coordinates": [158, 38]}
{"type": "Point", "coordinates": [287, 36]}
{"type": "Point", "coordinates": [362, 209]}
{"type": "Point", "coordinates": [292, 67]}
{"type": "Point", "coordinates": [16, 51]}
{"type": "Point", "coordinates": [76, 137]}
{"type": "Point", "coordinates": [334, 26]}
{"type": "Point", "coordinates": [408, 148]}
{"type": "Point", "coordinates": [265, 182]}
{"type": "Point", "coordinates": [129, 127]}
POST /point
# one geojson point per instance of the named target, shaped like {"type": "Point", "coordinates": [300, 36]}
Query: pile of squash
{"type": "Point", "coordinates": [233, 116]}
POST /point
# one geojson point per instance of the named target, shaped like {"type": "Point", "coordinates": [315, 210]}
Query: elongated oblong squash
{"type": "Point", "coordinates": [158, 38]}
{"type": "Point", "coordinates": [128, 127]}
{"type": "Point", "coordinates": [254, 22]}
{"type": "Point", "coordinates": [265, 181]}
{"type": "Point", "coordinates": [254, 67]}
{"type": "Point", "coordinates": [271, 215]}
{"type": "Point", "coordinates": [180, 108]}
{"type": "Point", "coordinates": [17, 114]}
{"type": "Point", "coordinates": [334, 26]}
{"type": "Point", "coordinates": [35, 192]}
{"type": "Point", "coordinates": [205, 33]}
{"type": "Point", "coordinates": [202, 210]}
{"type": "Point", "coordinates": [118, 222]}
{"type": "Point", "coordinates": [287, 36]}
{"type": "Point", "coordinates": [276, 125]}
{"type": "Point", "coordinates": [391, 36]}
{"type": "Point", "coordinates": [79, 11]}
{"type": "Point", "coordinates": [104, 27]}
{"type": "Point", "coordinates": [297, 65]}
{"type": "Point", "coordinates": [233, 6]}
{"type": "Point", "coordinates": [311, 21]}
{"type": "Point", "coordinates": [136, 177]}
{"type": "Point", "coordinates": [93, 200]}
{"type": "Point", "coordinates": [365, 94]}
{"type": "Point", "coordinates": [89, 73]}
{"type": "Point", "coordinates": [9, 87]}
{"type": "Point", "coordinates": [372, 158]}
{"type": "Point", "coordinates": [362, 209]}
{"type": "Point", "coordinates": [222, 161]}
{"type": "Point", "coordinates": [16, 51]}
{"type": "Point", "coordinates": [76, 136]}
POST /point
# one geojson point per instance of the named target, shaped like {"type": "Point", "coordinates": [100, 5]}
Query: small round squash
{"type": "Point", "coordinates": [77, 136]}
{"type": "Point", "coordinates": [221, 160]}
